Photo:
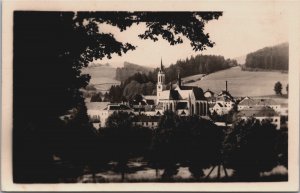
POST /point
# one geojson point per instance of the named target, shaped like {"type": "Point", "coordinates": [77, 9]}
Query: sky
{"type": "Point", "coordinates": [236, 33]}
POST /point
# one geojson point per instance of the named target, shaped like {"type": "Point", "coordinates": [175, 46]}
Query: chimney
{"type": "Point", "coordinates": [226, 85]}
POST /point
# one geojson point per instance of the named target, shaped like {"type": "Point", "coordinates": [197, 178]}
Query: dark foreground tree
{"type": "Point", "coordinates": [50, 49]}
{"type": "Point", "coordinates": [250, 148]}
{"type": "Point", "coordinates": [185, 141]}
{"type": "Point", "coordinates": [278, 88]}
{"type": "Point", "coordinates": [164, 147]}
{"type": "Point", "coordinates": [117, 134]}
{"type": "Point", "coordinates": [203, 145]}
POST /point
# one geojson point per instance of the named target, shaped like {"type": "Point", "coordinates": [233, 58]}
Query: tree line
{"type": "Point", "coordinates": [249, 147]}
{"type": "Point", "coordinates": [269, 58]}
{"type": "Point", "coordinates": [145, 83]}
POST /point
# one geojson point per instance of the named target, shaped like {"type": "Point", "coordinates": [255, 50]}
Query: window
{"type": "Point", "coordinates": [275, 120]}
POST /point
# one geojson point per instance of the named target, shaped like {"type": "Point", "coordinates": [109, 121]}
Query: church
{"type": "Point", "coordinates": [183, 100]}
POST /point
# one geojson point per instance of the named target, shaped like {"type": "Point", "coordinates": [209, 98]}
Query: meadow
{"type": "Point", "coordinates": [242, 83]}
{"type": "Point", "coordinates": [102, 77]}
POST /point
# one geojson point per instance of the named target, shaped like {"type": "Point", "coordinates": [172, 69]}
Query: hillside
{"type": "Point", "coordinates": [269, 58]}
{"type": "Point", "coordinates": [130, 69]}
{"type": "Point", "coordinates": [242, 83]}
{"type": "Point", "coordinates": [102, 76]}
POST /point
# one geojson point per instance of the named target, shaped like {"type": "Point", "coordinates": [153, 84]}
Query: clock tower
{"type": "Point", "coordinates": [160, 82]}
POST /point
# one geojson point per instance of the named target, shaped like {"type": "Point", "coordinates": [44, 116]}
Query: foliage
{"type": "Point", "coordinates": [124, 140]}
{"type": "Point", "coordinates": [50, 49]}
{"type": "Point", "coordinates": [144, 83]}
{"type": "Point", "coordinates": [270, 58]}
{"type": "Point", "coordinates": [250, 148]}
{"type": "Point", "coordinates": [96, 97]}
{"type": "Point", "coordinates": [278, 88]}
{"type": "Point", "coordinates": [130, 69]}
{"type": "Point", "coordinates": [189, 141]}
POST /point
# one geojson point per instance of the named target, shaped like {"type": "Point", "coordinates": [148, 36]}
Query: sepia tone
{"type": "Point", "coordinates": [80, 115]}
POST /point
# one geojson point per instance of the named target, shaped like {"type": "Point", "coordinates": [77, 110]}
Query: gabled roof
{"type": "Point", "coordinates": [198, 92]}
{"type": "Point", "coordinates": [225, 93]}
{"type": "Point", "coordinates": [258, 112]}
{"type": "Point", "coordinates": [174, 95]}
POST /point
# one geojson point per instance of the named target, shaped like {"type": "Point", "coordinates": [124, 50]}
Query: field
{"type": "Point", "coordinates": [242, 83]}
{"type": "Point", "coordinates": [103, 77]}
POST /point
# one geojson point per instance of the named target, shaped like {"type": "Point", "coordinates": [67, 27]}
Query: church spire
{"type": "Point", "coordinates": [161, 64]}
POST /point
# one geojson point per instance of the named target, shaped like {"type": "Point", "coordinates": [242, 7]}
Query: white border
{"type": "Point", "coordinates": [130, 5]}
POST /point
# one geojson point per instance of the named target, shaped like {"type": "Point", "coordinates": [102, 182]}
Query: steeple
{"type": "Point", "coordinates": [161, 65]}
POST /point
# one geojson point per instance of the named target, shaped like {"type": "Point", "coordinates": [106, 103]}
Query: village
{"type": "Point", "coordinates": [221, 108]}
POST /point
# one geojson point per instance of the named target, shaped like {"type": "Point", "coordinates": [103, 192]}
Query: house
{"type": "Point", "coordinates": [224, 103]}
{"type": "Point", "coordinates": [99, 112]}
{"type": "Point", "coordinates": [261, 113]}
{"type": "Point", "coordinates": [258, 102]}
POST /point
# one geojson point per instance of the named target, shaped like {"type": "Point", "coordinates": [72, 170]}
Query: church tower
{"type": "Point", "coordinates": [161, 86]}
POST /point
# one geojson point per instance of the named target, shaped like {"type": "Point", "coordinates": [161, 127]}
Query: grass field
{"type": "Point", "coordinates": [103, 77]}
{"type": "Point", "coordinates": [242, 83]}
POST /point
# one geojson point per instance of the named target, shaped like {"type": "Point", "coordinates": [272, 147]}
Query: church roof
{"type": "Point", "coordinates": [183, 94]}
{"type": "Point", "coordinates": [174, 95]}
{"type": "Point", "coordinates": [198, 92]}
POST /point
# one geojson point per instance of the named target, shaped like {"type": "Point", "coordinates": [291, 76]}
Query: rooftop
{"type": "Point", "coordinates": [96, 105]}
{"type": "Point", "coordinates": [257, 102]}
{"type": "Point", "coordinates": [258, 112]}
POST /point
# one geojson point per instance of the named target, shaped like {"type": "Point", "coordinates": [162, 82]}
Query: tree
{"type": "Point", "coordinates": [96, 97]}
{"type": "Point", "coordinates": [164, 147]}
{"type": "Point", "coordinates": [106, 97]}
{"type": "Point", "coordinates": [51, 48]}
{"type": "Point", "coordinates": [250, 148]}
{"type": "Point", "coordinates": [189, 141]}
{"type": "Point", "coordinates": [118, 128]}
{"type": "Point", "coordinates": [278, 88]}
{"type": "Point", "coordinates": [202, 145]}
{"type": "Point", "coordinates": [287, 88]}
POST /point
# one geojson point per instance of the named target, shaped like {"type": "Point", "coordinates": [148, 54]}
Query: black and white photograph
{"type": "Point", "coordinates": [192, 96]}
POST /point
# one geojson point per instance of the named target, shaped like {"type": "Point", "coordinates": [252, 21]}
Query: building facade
{"type": "Point", "coordinates": [183, 100]}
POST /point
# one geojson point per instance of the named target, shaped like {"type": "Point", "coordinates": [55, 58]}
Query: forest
{"type": "Point", "coordinates": [145, 83]}
{"type": "Point", "coordinates": [269, 58]}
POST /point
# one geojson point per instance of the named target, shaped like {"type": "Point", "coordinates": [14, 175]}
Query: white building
{"type": "Point", "coordinates": [224, 103]}
{"type": "Point", "coordinates": [259, 102]}
{"type": "Point", "coordinates": [261, 113]}
{"type": "Point", "coordinates": [98, 112]}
